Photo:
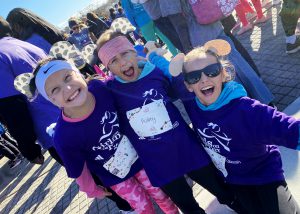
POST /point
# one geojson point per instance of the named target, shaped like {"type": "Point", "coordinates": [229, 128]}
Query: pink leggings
{"type": "Point", "coordinates": [138, 191]}
{"type": "Point", "coordinates": [243, 7]}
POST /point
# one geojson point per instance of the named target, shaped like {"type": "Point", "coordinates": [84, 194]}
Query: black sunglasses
{"type": "Point", "coordinates": [193, 77]}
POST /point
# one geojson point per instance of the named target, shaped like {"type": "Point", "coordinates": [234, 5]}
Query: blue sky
{"type": "Point", "coordinates": [54, 11]}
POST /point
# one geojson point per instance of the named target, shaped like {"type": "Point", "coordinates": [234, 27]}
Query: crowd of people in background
{"type": "Point", "coordinates": [132, 76]}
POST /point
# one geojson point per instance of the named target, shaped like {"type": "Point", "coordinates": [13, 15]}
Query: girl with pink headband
{"type": "Point", "coordinates": [167, 147]}
{"type": "Point", "coordinates": [87, 134]}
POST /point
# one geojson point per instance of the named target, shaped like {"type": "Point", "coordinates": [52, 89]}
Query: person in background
{"type": "Point", "coordinates": [228, 23]}
{"type": "Point", "coordinates": [200, 34]}
{"type": "Point", "coordinates": [139, 18]}
{"type": "Point", "coordinates": [9, 148]}
{"type": "Point", "coordinates": [38, 115]}
{"type": "Point", "coordinates": [290, 13]}
{"type": "Point", "coordinates": [107, 21]}
{"type": "Point", "coordinates": [171, 22]}
{"type": "Point", "coordinates": [81, 35]}
{"type": "Point", "coordinates": [16, 57]}
{"type": "Point", "coordinates": [96, 24]}
{"type": "Point", "coordinates": [29, 27]}
{"type": "Point", "coordinates": [120, 12]}
{"type": "Point", "coordinates": [241, 13]}
{"type": "Point", "coordinates": [112, 14]}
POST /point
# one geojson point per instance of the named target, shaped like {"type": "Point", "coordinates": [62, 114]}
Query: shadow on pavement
{"type": "Point", "coordinates": [66, 199]}
{"type": "Point", "coordinates": [39, 193]}
{"type": "Point", "coordinates": [20, 192]}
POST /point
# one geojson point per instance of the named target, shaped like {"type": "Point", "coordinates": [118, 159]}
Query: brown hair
{"type": "Point", "coordinates": [24, 23]}
{"type": "Point", "coordinates": [5, 29]}
{"type": "Point", "coordinates": [92, 16]}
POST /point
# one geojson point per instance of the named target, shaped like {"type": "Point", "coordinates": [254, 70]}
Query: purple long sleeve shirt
{"type": "Point", "coordinates": [241, 137]}
{"type": "Point", "coordinates": [97, 140]}
{"type": "Point", "coordinates": [167, 147]}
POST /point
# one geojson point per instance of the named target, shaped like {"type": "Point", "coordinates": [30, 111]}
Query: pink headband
{"type": "Point", "coordinates": [110, 49]}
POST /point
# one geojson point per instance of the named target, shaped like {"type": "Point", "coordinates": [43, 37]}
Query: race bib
{"type": "Point", "coordinates": [218, 160]}
{"type": "Point", "coordinates": [120, 163]}
{"type": "Point", "coordinates": [150, 119]}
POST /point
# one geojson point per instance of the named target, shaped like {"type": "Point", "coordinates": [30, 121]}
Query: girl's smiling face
{"type": "Point", "coordinates": [207, 89]}
{"type": "Point", "coordinates": [66, 89]}
{"type": "Point", "coordinates": [125, 66]}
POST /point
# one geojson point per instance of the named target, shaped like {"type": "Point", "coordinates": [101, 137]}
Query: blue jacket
{"type": "Point", "coordinates": [135, 13]}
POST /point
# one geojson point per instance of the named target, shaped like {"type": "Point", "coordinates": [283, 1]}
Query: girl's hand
{"type": "Point", "coordinates": [151, 47]}
{"type": "Point", "coordinates": [176, 65]}
{"type": "Point", "coordinates": [141, 61]}
{"type": "Point", "coordinates": [140, 58]}
{"type": "Point", "coordinates": [105, 192]}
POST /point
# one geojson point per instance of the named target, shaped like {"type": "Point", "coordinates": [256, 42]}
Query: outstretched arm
{"type": "Point", "coordinates": [273, 127]}
{"type": "Point", "coordinates": [87, 184]}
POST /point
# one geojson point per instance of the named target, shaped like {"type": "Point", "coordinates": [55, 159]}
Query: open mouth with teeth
{"type": "Point", "coordinates": [129, 72]}
{"type": "Point", "coordinates": [74, 95]}
{"type": "Point", "coordinates": [208, 90]}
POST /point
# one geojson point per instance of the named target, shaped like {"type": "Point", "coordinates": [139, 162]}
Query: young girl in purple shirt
{"type": "Point", "coordinates": [239, 134]}
{"type": "Point", "coordinates": [167, 147]}
{"type": "Point", "coordinates": [88, 132]}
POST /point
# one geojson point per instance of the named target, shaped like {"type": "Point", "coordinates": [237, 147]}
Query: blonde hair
{"type": "Point", "coordinates": [196, 53]}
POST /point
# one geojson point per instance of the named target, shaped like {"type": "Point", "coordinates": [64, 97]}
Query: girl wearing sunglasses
{"type": "Point", "coordinates": [240, 134]}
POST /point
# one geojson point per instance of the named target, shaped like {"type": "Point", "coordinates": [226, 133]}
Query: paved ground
{"type": "Point", "coordinates": [281, 72]}
{"type": "Point", "coordinates": [46, 189]}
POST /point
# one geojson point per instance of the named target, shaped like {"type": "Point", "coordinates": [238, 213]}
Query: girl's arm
{"type": "Point", "coordinates": [272, 126]}
{"type": "Point", "coordinates": [161, 63]}
{"type": "Point", "coordinates": [178, 88]}
{"type": "Point", "coordinates": [87, 184]}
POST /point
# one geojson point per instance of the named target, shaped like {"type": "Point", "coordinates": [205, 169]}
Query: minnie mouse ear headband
{"type": "Point", "coordinates": [22, 81]}
{"type": "Point", "coordinates": [122, 25]}
{"type": "Point", "coordinates": [66, 50]}
{"type": "Point", "coordinates": [217, 47]}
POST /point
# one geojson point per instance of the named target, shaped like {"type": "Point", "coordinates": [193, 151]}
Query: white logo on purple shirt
{"type": "Point", "coordinates": [120, 152]}
{"type": "Point", "coordinates": [110, 132]}
{"type": "Point", "coordinates": [215, 142]}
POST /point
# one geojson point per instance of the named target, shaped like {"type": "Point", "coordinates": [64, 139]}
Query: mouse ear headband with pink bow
{"type": "Point", "coordinates": [217, 47]}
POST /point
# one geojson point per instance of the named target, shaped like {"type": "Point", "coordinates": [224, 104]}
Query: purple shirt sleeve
{"type": "Point", "coordinates": [274, 127]}
{"type": "Point", "coordinates": [87, 184]}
